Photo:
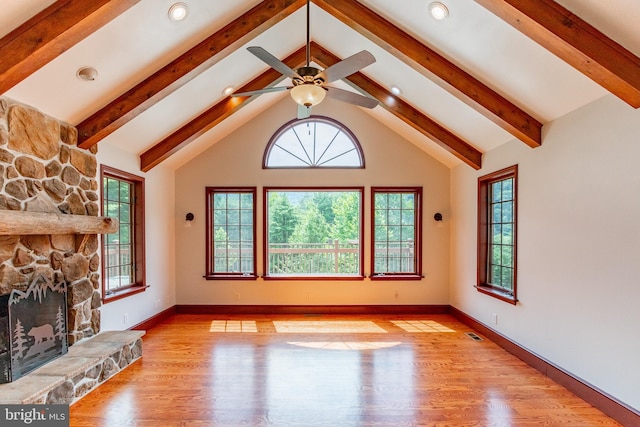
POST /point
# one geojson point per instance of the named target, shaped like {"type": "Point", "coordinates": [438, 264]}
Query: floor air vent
{"type": "Point", "coordinates": [473, 336]}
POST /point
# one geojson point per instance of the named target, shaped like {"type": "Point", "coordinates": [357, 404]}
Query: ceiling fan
{"type": "Point", "coordinates": [308, 83]}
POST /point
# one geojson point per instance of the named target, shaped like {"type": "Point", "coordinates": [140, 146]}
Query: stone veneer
{"type": "Point", "coordinates": [43, 170]}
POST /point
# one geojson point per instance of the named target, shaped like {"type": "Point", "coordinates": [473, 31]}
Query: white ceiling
{"type": "Point", "coordinates": [143, 39]}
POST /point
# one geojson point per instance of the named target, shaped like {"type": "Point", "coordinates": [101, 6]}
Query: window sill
{"type": "Point", "coordinates": [127, 292]}
{"type": "Point", "coordinates": [266, 277]}
{"type": "Point", "coordinates": [396, 277]}
{"type": "Point", "coordinates": [231, 277]}
{"type": "Point", "coordinates": [498, 293]}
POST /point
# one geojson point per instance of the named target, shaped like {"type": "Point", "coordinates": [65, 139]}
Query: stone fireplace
{"type": "Point", "coordinates": [50, 288]}
{"type": "Point", "coordinates": [49, 248]}
{"type": "Point", "coordinates": [42, 170]}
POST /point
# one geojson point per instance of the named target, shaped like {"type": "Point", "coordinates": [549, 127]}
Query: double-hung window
{"type": "Point", "coordinates": [397, 223]}
{"type": "Point", "coordinates": [231, 230]}
{"type": "Point", "coordinates": [123, 254]}
{"type": "Point", "coordinates": [497, 221]}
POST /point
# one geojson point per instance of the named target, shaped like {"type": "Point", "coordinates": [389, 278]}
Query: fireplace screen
{"type": "Point", "coordinates": [33, 327]}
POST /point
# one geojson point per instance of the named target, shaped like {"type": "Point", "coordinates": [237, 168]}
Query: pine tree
{"type": "Point", "coordinates": [59, 328]}
{"type": "Point", "coordinates": [282, 218]}
{"type": "Point", "coordinates": [19, 340]}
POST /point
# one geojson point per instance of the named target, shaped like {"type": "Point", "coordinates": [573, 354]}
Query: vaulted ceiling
{"type": "Point", "coordinates": [493, 71]}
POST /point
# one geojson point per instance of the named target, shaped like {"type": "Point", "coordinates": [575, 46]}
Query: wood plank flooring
{"type": "Point", "coordinates": [204, 370]}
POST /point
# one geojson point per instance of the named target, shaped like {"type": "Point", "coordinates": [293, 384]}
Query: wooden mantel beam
{"type": "Point", "coordinates": [51, 32]}
{"type": "Point", "coordinates": [18, 223]}
{"type": "Point", "coordinates": [405, 112]}
{"type": "Point", "coordinates": [183, 69]}
{"type": "Point", "coordinates": [214, 115]}
{"type": "Point", "coordinates": [576, 42]}
{"type": "Point", "coordinates": [447, 75]}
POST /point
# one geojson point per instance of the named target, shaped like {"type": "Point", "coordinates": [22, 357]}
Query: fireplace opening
{"type": "Point", "coordinates": [33, 327]}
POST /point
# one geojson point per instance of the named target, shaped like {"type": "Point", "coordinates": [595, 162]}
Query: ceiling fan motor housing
{"type": "Point", "coordinates": [309, 75]}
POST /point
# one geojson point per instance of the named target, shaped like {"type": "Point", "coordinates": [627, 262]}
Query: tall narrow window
{"type": "Point", "coordinates": [123, 258]}
{"type": "Point", "coordinates": [397, 224]}
{"type": "Point", "coordinates": [497, 220]}
{"type": "Point", "coordinates": [231, 243]}
{"type": "Point", "coordinates": [313, 233]}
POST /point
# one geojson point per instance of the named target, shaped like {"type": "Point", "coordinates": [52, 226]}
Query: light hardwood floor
{"type": "Point", "coordinates": [204, 370]}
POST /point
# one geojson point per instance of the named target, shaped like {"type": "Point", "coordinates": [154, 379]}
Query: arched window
{"type": "Point", "coordinates": [314, 142]}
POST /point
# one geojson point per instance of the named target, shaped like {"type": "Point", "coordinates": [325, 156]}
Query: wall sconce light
{"type": "Point", "coordinates": [188, 219]}
{"type": "Point", "coordinates": [438, 216]}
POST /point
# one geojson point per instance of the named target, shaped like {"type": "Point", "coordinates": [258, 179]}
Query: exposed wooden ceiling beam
{"type": "Point", "coordinates": [444, 73]}
{"type": "Point", "coordinates": [214, 115]}
{"type": "Point", "coordinates": [404, 111]}
{"type": "Point", "coordinates": [225, 108]}
{"type": "Point", "coordinates": [576, 42]}
{"type": "Point", "coordinates": [183, 69]}
{"type": "Point", "coordinates": [51, 32]}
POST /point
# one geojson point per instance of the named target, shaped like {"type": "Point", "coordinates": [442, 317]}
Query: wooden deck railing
{"type": "Point", "coordinates": [318, 258]}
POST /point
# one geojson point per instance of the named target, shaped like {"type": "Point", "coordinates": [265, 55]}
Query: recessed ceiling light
{"type": "Point", "coordinates": [396, 90]}
{"type": "Point", "coordinates": [438, 10]}
{"type": "Point", "coordinates": [178, 11]}
{"type": "Point", "coordinates": [227, 90]}
{"type": "Point", "coordinates": [87, 74]}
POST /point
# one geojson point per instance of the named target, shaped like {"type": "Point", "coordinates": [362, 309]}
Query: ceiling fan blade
{"type": "Point", "coordinates": [261, 91]}
{"type": "Point", "coordinates": [303, 112]}
{"type": "Point", "coordinates": [351, 97]}
{"type": "Point", "coordinates": [348, 66]}
{"type": "Point", "coordinates": [272, 61]}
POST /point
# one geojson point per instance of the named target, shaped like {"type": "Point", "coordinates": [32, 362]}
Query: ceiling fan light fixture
{"type": "Point", "coordinates": [228, 90]}
{"type": "Point", "coordinates": [307, 95]}
{"type": "Point", "coordinates": [178, 11]}
{"type": "Point", "coordinates": [438, 10]}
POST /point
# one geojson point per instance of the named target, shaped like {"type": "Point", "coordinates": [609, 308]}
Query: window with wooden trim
{"type": "Point", "coordinates": [397, 223]}
{"type": "Point", "coordinates": [123, 253]}
{"type": "Point", "coordinates": [313, 233]}
{"type": "Point", "coordinates": [231, 231]}
{"type": "Point", "coordinates": [314, 142]}
{"type": "Point", "coordinates": [497, 232]}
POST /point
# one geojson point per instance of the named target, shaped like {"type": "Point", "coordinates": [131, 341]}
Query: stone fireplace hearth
{"type": "Point", "coordinates": [86, 365]}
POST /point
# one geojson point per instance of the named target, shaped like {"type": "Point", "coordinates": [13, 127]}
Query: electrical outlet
{"type": "Point", "coordinates": [157, 304]}
{"type": "Point", "coordinates": [308, 296]}
{"type": "Point", "coordinates": [237, 296]}
{"type": "Point", "coordinates": [494, 317]}
{"type": "Point", "coordinates": [125, 318]}
{"type": "Point", "coordinates": [397, 295]}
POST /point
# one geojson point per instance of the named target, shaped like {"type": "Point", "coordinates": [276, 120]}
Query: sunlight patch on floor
{"type": "Point", "coordinates": [328, 327]}
{"type": "Point", "coordinates": [350, 345]}
{"type": "Point", "coordinates": [233, 326]}
{"type": "Point", "coordinates": [421, 326]}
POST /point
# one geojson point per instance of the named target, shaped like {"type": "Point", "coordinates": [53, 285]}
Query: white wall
{"type": "Point", "coordinates": [237, 161]}
{"type": "Point", "coordinates": [160, 244]}
{"type": "Point", "coordinates": [578, 246]}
